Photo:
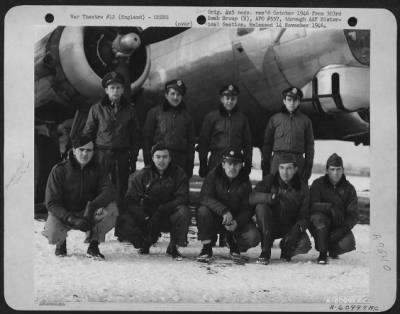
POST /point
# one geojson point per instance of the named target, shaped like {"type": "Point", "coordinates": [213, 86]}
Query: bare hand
{"type": "Point", "coordinates": [227, 218]}
{"type": "Point", "coordinates": [232, 226]}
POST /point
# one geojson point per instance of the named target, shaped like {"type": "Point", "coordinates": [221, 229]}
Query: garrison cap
{"type": "Point", "coordinates": [233, 154]}
{"type": "Point", "coordinates": [177, 85]}
{"type": "Point", "coordinates": [293, 91]}
{"type": "Point", "coordinates": [81, 141]}
{"type": "Point", "coordinates": [286, 158]}
{"type": "Point", "coordinates": [229, 90]}
{"type": "Point", "coordinates": [112, 77]}
{"type": "Point", "coordinates": [157, 147]}
{"type": "Point", "coordinates": [334, 160]}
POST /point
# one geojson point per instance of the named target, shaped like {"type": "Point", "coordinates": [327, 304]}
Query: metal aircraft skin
{"type": "Point", "coordinates": [330, 65]}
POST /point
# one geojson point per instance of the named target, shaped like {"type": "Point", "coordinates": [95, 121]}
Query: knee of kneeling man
{"type": "Point", "coordinates": [111, 207]}
{"type": "Point", "coordinates": [261, 207]}
{"type": "Point", "coordinates": [203, 211]}
{"type": "Point", "coordinates": [254, 239]}
{"type": "Point", "coordinates": [183, 210]}
{"type": "Point", "coordinates": [347, 243]}
{"type": "Point", "coordinates": [55, 235]}
{"type": "Point", "coordinates": [319, 221]}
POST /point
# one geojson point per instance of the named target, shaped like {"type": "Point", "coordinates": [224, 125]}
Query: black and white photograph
{"type": "Point", "coordinates": [221, 164]}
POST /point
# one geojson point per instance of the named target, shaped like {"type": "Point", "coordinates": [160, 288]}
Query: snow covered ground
{"type": "Point", "coordinates": [131, 279]}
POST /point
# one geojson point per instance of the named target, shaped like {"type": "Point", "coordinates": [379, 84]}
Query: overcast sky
{"type": "Point", "coordinates": [357, 156]}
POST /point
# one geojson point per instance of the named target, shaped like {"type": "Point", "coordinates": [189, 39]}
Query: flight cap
{"type": "Point", "coordinates": [177, 85]}
{"type": "Point", "coordinates": [233, 154]}
{"type": "Point", "coordinates": [81, 141]}
{"type": "Point", "coordinates": [293, 91]}
{"type": "Point", "coordinates": [229, 90]}
{"type": "Point", "coordinates": [286, 158]}
{"type": "Point", "coordinates": [112, 77]}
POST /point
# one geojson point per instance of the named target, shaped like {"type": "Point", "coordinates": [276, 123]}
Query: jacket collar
{"type": "Point", "coordinates": [225, 112]}
{"type": "Point", "coordinates": [106, 101]}
{"type": "Point", "coordinates": [285, 111]}
{"type": "Point", "coordinates": [75, 164]}
{"type": "Point", "coordinates": [341, 181]}
{"type": "Point", "coordinates": [219, 172]}
{"type": "Point", "coordinates": [295, 183]}
{"type": "Point", "coordinates": [167, 106]}
{"type": "Point", "coordinates": [167, 173]}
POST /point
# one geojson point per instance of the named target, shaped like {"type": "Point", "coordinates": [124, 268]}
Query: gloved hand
{"type": "Point", "coordinates": [232, 226]}
{"type": "Point", "coordinates": [203, 168]}
{"type": "Point", "coordinates": [79, 223]}
{"type": "Point", "coordinates": [132, 158]}
{"type": "Point", "coordinates": [99, 215]}
{"type": "Point", "coordinates": [293, 237]}
{"type": "Point", "coordinates": [227, 218]}
{"type": "Point", "coordinates": [247, 167]}
{"type": "Point", "coordinates": [337, 216]}
{"type": "Point", "coordinates": [338, 234]}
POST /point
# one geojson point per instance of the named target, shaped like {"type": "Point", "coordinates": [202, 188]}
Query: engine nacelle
{"type": "Point", "coordinates": [338, 88]}
{"type": "Point", "coordinates": [70, 62]}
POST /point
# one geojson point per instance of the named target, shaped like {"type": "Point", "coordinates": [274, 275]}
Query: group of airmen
{"type": "Point", "coordinates": [93, 191]}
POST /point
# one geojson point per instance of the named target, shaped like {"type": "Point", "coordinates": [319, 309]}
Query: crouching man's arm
{"type": "Point", "coordinates": [54, 195]}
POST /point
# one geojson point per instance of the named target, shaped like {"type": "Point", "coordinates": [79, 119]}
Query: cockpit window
{"type": "Point", "coordinates": [359, 42]}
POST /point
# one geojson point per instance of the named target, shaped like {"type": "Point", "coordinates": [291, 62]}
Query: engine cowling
{"type": "Point", "coordinates": [338, 88]}
{"type": "Point", "coordinates": [70, 62]}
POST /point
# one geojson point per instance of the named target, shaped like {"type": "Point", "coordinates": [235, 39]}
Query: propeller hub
{"type": "Point", "coordinates": [128, 43]}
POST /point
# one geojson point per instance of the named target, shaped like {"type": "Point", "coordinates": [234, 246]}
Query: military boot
{"type": "Point", "coordinates": [61, 249]}
{"type": "Point", "coordinates": [206, 253]}
{"type": "Point", "coordinates": [93, 251]}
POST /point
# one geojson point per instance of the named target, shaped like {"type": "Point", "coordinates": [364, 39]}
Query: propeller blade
{"type": "Point", "coordinates": [153, 35]}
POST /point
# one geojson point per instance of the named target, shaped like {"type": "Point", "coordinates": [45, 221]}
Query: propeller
{"type": "Point", "coordinates": [123, 46]}
{"type": "Point", "coordinates": [152, 35]}
{"type": "Point", "coordinates": [115, 46]}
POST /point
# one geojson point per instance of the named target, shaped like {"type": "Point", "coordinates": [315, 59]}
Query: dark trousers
{"type": "Point", "coordinates": [56, 230]}
{"type": "Point", "coordinates": [214, 159]}
{"type": "Point", "coordinates": [209, 223]}
{"type": "Point", "coordinates": [132, 227]}
{"type": "Point", "coordinates": [179, 158]}
{"type": "Point", "coordinates": [271, 226]}
{"type": "Point", "coordinates": [321, 227]}
{"type": "Point", "coordinates": [116, 164]}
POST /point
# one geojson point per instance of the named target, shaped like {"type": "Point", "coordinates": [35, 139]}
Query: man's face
{"type": "Point", "coordinates": [231, 167]}
{"type": "Point", "coordinates": [335, 174]}
{"type": "Point", "coordinates": [229, 102]}
{"type": "Point", "coordinates": [114, 91]}
{"type": "Point", "coordinates": [291, 103]}
{"type": "Point", "coordinates": [84, 154]}
{"type": "Point", "coordinates": [161, 159]}
{"type": "Point", "coordinates": [287, 171]}
{"type": "Point", "coordinates": [174, 97]}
